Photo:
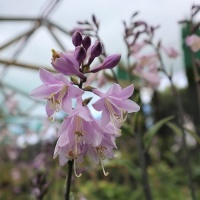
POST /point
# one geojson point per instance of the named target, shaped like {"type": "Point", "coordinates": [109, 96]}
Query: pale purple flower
{"type": "Point", "coordinates": [66, 64]}
{"type": "Point", "coordinates": [193, 41]}
{"type": "Point", "coordinates": [105, 148]}
{"type": "Point", "coordinates": [57, 90]}
{"type": "Point", "coordinates": [77, 131]}
{"type": "Point", "coordinates": [67, 153]}
{"type": "Point", "coordinates": [115, 104]}
{"type": "Point", "coordinates": [101, 152]}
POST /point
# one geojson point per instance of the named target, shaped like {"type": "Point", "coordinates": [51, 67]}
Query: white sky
{"type": "Point", "coordinates": [110, 14]}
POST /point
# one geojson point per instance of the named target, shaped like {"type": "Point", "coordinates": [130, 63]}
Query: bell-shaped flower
{"type": "Point", "coordinates": [67, 153]}
{"type": "Point", "coordinates": [57, 90]}
{"type": "Point", "coordinates": [105, 148]}
{"type": "Point", "coordinates": [79, 128]}
{"type": "Point", "coordinates": [66, 64]}
{"type": "Point", "coordinates": [115, 104]}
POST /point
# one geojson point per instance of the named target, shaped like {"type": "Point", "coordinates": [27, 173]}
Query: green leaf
{"type": "Point", "coordinates": [178, 131]}
{"type": "Point", "coordinates": [149, 135]}
{"type": "Point", "coordinates": [134, 170]}
{"type": "Point", "coordinates": [174, 128]}
{"type": "Point", "coordinates": [193, 133]}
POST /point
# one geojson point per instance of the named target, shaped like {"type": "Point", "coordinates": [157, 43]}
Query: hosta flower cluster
{"type": "Point", "coordinates": [80, 134]}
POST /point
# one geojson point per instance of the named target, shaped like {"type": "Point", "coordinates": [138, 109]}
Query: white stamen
{"type": "Point", "coordinates": [116, 119]}
{"type": "Point", "coordinates": [77, 175]}
{"type": "Point", "coordinates": [105, 173]}
{"type": "Point", "coordinates": [55, 104]}
{"type": "Point", "coordinates": [76, 145]}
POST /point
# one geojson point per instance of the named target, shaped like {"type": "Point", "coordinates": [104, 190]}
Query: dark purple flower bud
{"type": "Point", "coordinates": [86, 42]}
{"type": "Point", "coordinates": [77, 39]}
{"type": "Point", "coordinates": [96, 49]}
{"type": "Point", "coordinates": [108, 63]}
{"type": "Point", "coordinates": [80, 54]}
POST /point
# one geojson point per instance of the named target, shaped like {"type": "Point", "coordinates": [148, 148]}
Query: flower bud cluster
{"type": "Point", "coordinates": [80, 134]}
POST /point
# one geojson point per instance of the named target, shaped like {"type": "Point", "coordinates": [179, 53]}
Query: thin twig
{"type": "Point", "coordinates": [55, 38]}
{"type": "Point", "coordinates": [9, 63]}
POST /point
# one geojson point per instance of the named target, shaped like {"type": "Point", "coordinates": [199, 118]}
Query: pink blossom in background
{"type": "Point", "coordinates": [171, 52]}
{"type": "Point", "coordinates": [137, 47]}
{"type": "Point", "coordinates": [146, 60]}
{"type": "Point", "coordinates": [193, 41]}
{"type": "Point", "coordinates": [149, 73]}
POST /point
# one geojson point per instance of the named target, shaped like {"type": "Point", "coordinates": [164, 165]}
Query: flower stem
{"type": "Point", "coordinates": [69, 178]}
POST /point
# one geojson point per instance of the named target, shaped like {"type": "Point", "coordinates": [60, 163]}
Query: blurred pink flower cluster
{"type": "Point", "coordinates": [193, 41]}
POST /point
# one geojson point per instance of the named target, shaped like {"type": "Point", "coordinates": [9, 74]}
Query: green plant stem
{"type": "Point", "coordinates": [142, 159]}
{"type": "Point", "coordinates": [69, 178]}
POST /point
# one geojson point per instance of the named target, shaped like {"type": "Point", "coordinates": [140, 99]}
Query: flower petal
{"type": "Point", "coordinates": [67, 104]}
{"type": "Point", "coordinates": [127, 104]}
{"type": "Point", "coordinates": [74, 92]}
{"type": "Point", "coordinates": [49, 111]}
{"type": "Point", "coordinates": [66, 124]}
{"type": "Point", "coordinates": [99, 93]}
{"type": "Point", "coordinates": [115, 89]}
{"type": "Point", "coordinates": [47, 77]}
{"type": "Point", "coordinates": [125, 93]}
{"type": "Point", "coordinates": [99, 105]}
{"type": "Point", "coordinates": [105, 117]}
{"type": "Point", "coordinates": [63, 140]}
{"type": "Point", "coordinates": [67, 65]}
{"type": "Point", "coordinates": [62, 159]}
{"type": "Point", "coordinates": [44, 91]}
